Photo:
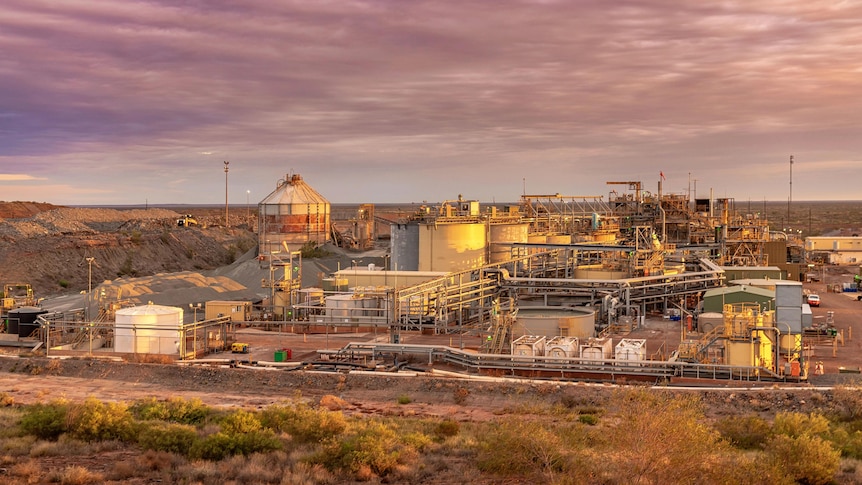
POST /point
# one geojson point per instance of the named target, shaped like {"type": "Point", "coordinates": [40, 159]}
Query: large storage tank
{"type": "Point", "coordinates": [294, 214]}
{"type": "Point", "coordinates": [148, 329]}
{"type": "Point", "coordinates": [404, 241]}
{"type": "Point", "coordinates": [451, 247]}
{"type": "Point", "coordinates": [554, 321]}
{"type": "Point", "coordinates": [501, 235]}
{"type": "Point", "coordinates": [22, 320]}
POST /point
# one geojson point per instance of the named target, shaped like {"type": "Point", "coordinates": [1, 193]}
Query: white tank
{"type": "Point", "coordinates": [597, 348]}
{"type": "Point", "coordinates": [148, 329]}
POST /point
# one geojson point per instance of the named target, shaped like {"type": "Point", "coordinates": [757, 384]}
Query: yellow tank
{"type": "Point", "coordinates": [739, 352]}
{"type": "Point", "coordinates": [499, 234]}
{"type": "Point", "coordinates": [451, 247]}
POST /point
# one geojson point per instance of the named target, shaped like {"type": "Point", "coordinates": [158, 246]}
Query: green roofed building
{"type": "Point", "coordinates": [715, 299]}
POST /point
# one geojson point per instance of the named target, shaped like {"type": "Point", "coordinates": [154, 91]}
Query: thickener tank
{"type": "Point", "coordinates": [294, 213]}
{"type": "Point", "coordinates": [500, 235]}
{"type": "Point", "coordinates": [451, 247]}
{"type": "Point", "coordinates": [404, 240]}
{"type": "Point", "coordinates": [148, 329]}
{"type": "Point", "coordinates": [553, 321]}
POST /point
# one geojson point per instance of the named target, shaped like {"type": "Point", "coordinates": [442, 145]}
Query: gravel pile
{"type": "Point", "coordinates": [71, 220]}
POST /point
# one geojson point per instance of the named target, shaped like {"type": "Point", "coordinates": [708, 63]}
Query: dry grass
{"type": "Point", "coordinates": [76, 475]}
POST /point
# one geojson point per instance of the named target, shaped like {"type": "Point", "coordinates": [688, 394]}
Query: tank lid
{"type": "Point", "coordinates": [149, 310]}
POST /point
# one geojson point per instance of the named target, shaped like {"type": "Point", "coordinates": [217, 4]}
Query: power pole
{"type": "Point", "coordinates": [226, 221]}
{"type": "Point", "coordinates": [789, 200]}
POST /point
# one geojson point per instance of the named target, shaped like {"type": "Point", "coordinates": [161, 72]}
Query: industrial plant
{"type": "Point", "coordinates": [552, 286]}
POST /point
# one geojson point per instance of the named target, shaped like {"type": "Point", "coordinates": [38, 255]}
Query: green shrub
{"type": "Point", "coordinates": [369, 446]}
{"type": "Point", "coordinates": [746, 432]}
{"type": "Point", "coordinates": [94, 420]}
{"type": "Point", "coordinates": [448, 427]}
{"type": "Point", "coordinates": [589, 419]}
{"type": "Point", "coordinates": [404, 399]}
{"type": "Point", "coordinates": [221, 445]}
{"type": "Point", "coordinates": [170, 437]}
{"type": "Point", "coordinates": [63, 283]}
{"type": "Point", "coordinates": [848, 401]}
{"type": "Point", "coordinates": [304, 424]}
{"type": "Point", "coordinates": [45, 421]}
{"type": "Point", "coordinates": [240, 422]}
{"type": "Point", "coordinates": [519, 447]}
{"type": "Point", "coordinates": [175, 409]}
{"type": "Point", "coordinates": [799, 424]}
{"type": "Point", "coordinates": [804, 458]}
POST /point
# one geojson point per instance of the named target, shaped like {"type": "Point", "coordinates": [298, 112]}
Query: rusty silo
{"type": "Point", "coordinates": [294, 213]}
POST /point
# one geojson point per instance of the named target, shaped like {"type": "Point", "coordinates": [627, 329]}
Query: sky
{"type": "Point", "coordinates": [112, 103]}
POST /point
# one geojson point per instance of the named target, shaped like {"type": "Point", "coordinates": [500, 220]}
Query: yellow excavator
{"type": "Point", "coordinates": [187, 220]}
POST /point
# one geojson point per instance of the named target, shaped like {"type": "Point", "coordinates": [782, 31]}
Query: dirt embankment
{"type": "Point", "coordinates": [49, 249]}
{"type": "Point", "coordinates": [39, 380]}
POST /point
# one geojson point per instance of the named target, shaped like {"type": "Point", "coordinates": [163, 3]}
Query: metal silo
{"type": "Point", "coordinates": [451, 247]}
{"type": "Point", "coordinates": [500, 235]}
{"type": "Point", "coordinates": [405, 246]}
{"type": "Point", "coordinates": [294, 213]}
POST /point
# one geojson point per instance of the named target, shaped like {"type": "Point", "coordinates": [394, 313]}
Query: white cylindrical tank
{"type": "Point", "coordinates": [501, 235]}
{"type": "Point", "coordinates": [451, 247]}
{"type": "Point", "coordinates": [707, 322]}
{"type": "Point", "coordinates": [148, 329]}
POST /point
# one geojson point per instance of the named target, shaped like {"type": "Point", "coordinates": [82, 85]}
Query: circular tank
{"type": "Point", "coordinates": [404, 241]}
{"type": "Point", "coordinates": [553, 321]}
{"type": "Point", "coordinates": [22, 321]}
{"type": "Point", "coordinates": [499, 234]}
{"type": "Point", "coordinates": [148, 329]}
{"type": "Point", "coordinates": [707, 322]}
{"type": "Point", "coordinates": [293, 213]}
{"type": "Point", "coordinates": [347, 306]}
{"type": "Point", "coordinates": [451, 247]}
{"type": "Point", "coordinates": [558, 239]}
{"type": "Point", "coordinates": [536, 239]}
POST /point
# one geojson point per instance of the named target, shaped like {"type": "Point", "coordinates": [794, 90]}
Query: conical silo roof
{"type": "Point", "coordinates": [294, 190]}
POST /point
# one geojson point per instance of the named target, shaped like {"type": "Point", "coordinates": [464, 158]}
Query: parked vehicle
{"type": "Point", "coordinates": [813, 300]}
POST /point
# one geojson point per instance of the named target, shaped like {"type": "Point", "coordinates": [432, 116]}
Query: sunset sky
{"type": "Point", "coordinates": [132, 102]}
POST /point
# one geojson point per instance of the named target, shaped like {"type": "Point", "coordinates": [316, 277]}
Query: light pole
{"type": "Point", "coordinates": [226, 222]}
{"type": "Point", "coordinates": [89, 283]}
{"type": "Point", "coordinates": [247, 208]}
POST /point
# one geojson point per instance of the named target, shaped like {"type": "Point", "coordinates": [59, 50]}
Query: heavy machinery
{"type": "Point", "coordinates": [239, 348]}
{"type": "Point", "coordinates": [16, 295]}
{"type": "Point", "coordinates": [187, 220]}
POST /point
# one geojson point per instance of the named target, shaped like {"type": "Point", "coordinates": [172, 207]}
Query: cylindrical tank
{"type": "Point", "coordinates": [335, 284]}
{"type": "Point", "coordinates": [293, 213]}
{"type": "Point", "coordinates": [707, 322]}
{"type": "Point", "coordinates": [451, 247]}
{"type": "Point", "coordinates": [558, 239]}
{"type": "Point", "coordinates": [499, 234]}
{"type": "Point", "coordinates": [148, 329]}
{"type": "Point", "coordinates": [404, 241]}
{"type": "Point", "coordinates": [553, 321]}
{"type": "Point", "coordinates": [529, 345]}
{"type": "Point", "coordinates": [311, 296]}
{"type": "Point", "coordinates": [536, 239]}
{"type": "Point", "coordinates": [630, 349]}
{"type": "Point", "coordinates": [22, 321]}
